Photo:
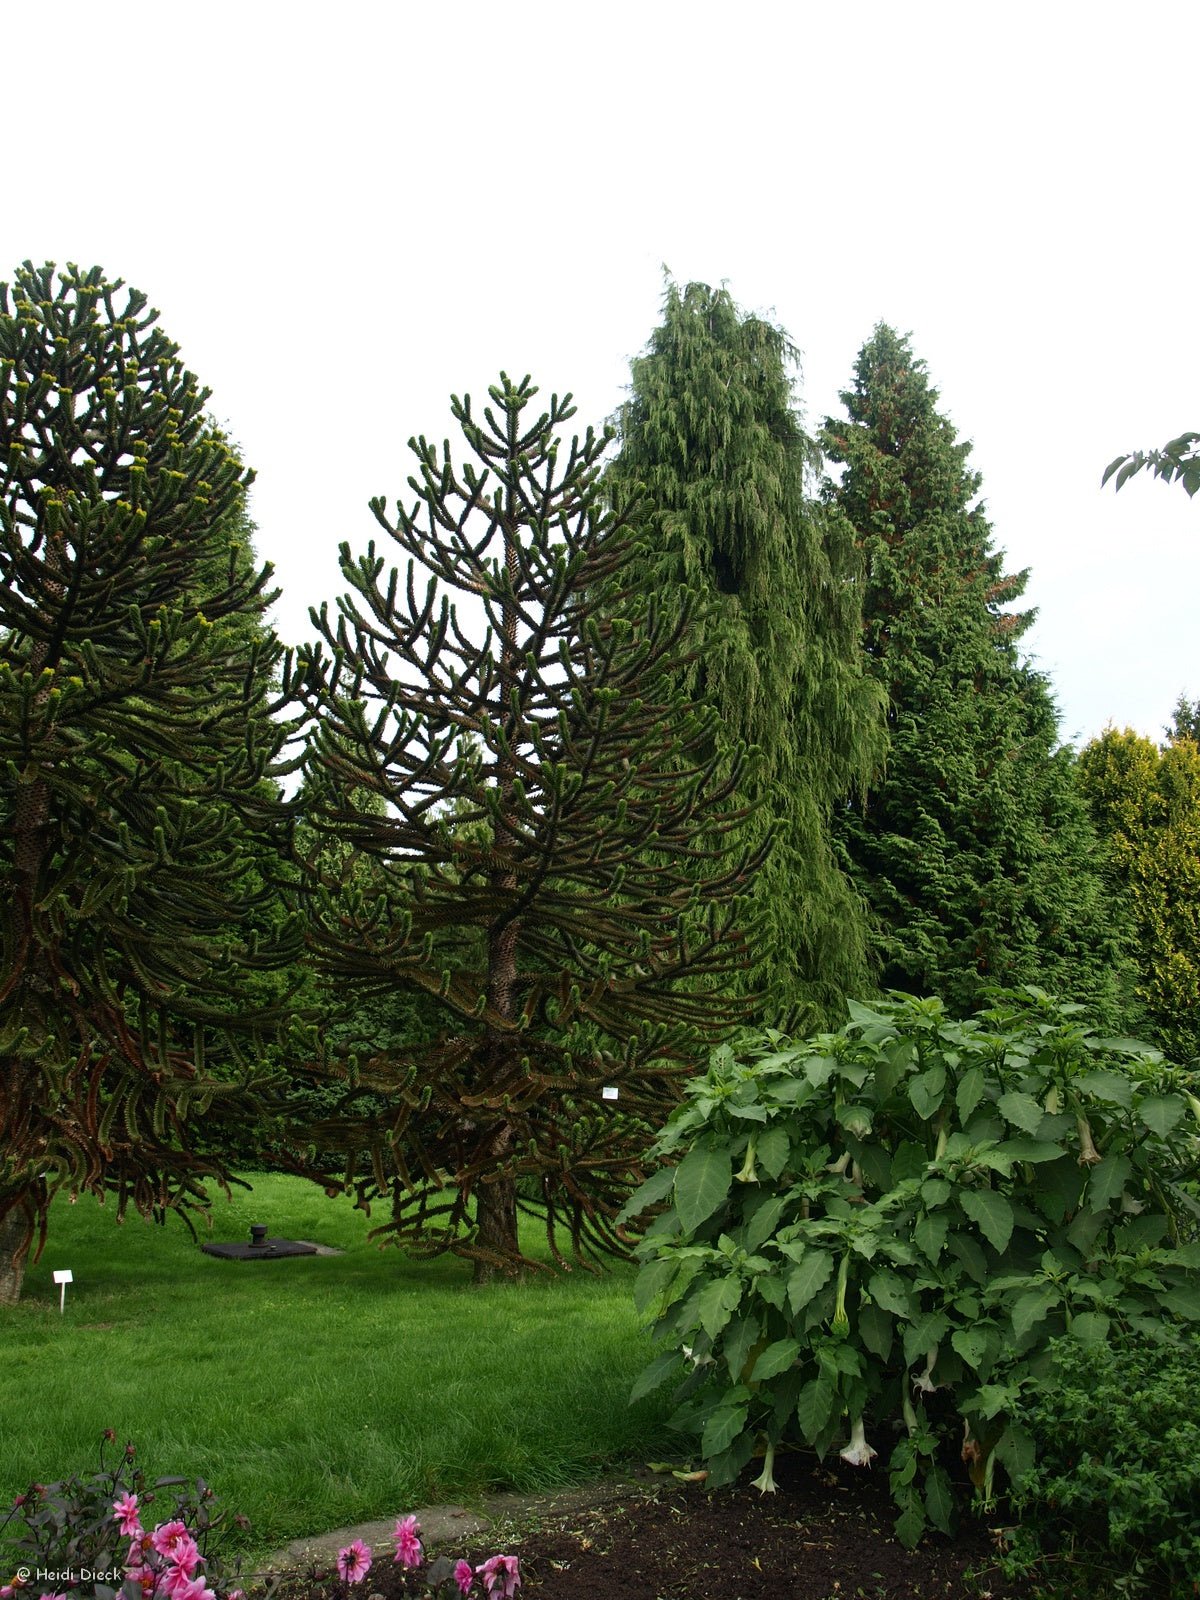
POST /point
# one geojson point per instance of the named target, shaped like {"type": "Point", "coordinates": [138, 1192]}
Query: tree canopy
{"type": "Point", "coordinates": [1146, 805]}
{"type": "Point", "coordinates": [530, 830]}
{"type": "Point", "coordinates": [134, 748]}
{"type": "Point", "coordinates": [973, 852]}
{"type": "Point", "coordinates": [712, 436]}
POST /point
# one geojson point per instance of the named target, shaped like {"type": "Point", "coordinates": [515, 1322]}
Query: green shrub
{"type": "Point", "coordinates": [1114, 1496]}
{"type": "Point", "coordinates": [885, 1228]}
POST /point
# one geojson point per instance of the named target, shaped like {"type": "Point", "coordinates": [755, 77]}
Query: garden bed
{"type": "Point", "coordinates": [827, 1534]}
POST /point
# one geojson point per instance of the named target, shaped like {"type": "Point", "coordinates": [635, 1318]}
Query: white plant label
{"type": "Point", "coordinates": [63, 1278]}
{"type": "Point", "coordinates": [609, 1092]}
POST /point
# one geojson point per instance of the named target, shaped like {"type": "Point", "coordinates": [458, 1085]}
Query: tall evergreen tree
{"type": "Point", "coordinates": [511, 806]}
{"type": "Point", "coordinates": [973, 852]}
{"type": "Point", "coordinates": [712, 433]}
{"type": "Point", "coordinates": [134, 744]}
{"type": "Point", "coordinates": [1146, 804]}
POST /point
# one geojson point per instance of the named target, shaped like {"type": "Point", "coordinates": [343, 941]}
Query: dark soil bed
{"type": "Point", "coordinates": [826, 1535]}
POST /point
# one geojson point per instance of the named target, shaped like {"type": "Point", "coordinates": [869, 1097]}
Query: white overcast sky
{"type": "Point", "coordinates": [346, 212]}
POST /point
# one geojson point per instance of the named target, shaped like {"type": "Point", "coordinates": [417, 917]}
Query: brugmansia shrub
{"type": "Point", "coordinates": [874, 1235]}
{"type": "Point", "coordinates": [1113, 1501]}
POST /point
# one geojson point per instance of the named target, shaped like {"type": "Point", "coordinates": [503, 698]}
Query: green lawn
{"type": "Point", "coordinates": [317, 1391]}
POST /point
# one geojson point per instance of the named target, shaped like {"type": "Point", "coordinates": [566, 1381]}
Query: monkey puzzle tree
{"type": "Point", "coordinates": [536, 863]}
{"type": "Point", "coordinates": [134, 740]}
{"type": "Point", "coordinates": [712, 434]}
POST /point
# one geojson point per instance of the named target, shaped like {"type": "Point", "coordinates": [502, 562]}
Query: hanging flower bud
{"type": "Point", "coordinates": [1088, 1154]}
{"type": "Point", "coordinates": [924, 1380]}
{"type": "Point", "coordinates": [749, 1173]}
{"type": "Point", "coordinates": [840, 1325]}
{"type": "Point", "coordinates": [908, 1413]}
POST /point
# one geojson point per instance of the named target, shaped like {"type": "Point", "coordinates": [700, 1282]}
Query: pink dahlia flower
{"type": "Point", "coordinates": [354, 1562]}
{"type": "Point", "coordinates": [501, 1577]}
{"type": "Point", "coordinates": [166, 1535]}
{"type": "Point", "coordinates": [408, 1546]}
{"type": "Point", "coordinates": [125, 1512]}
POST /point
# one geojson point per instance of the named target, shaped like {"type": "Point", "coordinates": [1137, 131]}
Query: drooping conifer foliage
{"type": "Point", "coordinates": [528, 829]}
{"type": "Point", "coordinates": [712, 433]}
{"type": "Point", "coordinates": [135, 815]}
{"type": "Point", "coordinates": [973, 852]}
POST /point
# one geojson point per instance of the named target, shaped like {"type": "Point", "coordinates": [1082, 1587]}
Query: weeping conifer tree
{"type": "Point", "coordinates": [526, 828]}
{"type": "Point", "coordinates": [712, 436]}
{"type": "Point", "coordinates": [135, 744]}
{"type": "Point", "coordinates": [975, 852]}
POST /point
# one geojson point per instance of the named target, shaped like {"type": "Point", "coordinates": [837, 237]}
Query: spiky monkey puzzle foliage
{"type": "Point", "coordinates": [523, 813]}
{"type": "Point", "coordinates": [879, 1232]}
{"type": "Point", "coordinates": [133, 746]}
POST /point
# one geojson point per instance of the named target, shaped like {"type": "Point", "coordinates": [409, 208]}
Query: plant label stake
{"type": "Point", "coordinates": [63, 1279]}
{"type": "Point", "coordinates": [609, 1092]}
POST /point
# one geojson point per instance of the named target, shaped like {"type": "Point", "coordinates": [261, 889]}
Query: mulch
{"type": "Point", "coordinates": [826, 1535]}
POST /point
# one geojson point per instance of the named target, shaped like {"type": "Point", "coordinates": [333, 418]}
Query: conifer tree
{"type": "Point", "coordinates": [1146, 805]}
{"type": "Point", "coordinates": [712, 433]}
{"type": "Point", "coordinates": [973, 852]}
{"type": "Point", "coordinates": [506, 809]}
{"type": "Point", "coordinates": [134, 745]}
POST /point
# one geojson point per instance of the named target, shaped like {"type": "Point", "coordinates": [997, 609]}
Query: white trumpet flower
{"type": "Point", "coordinates": [765, 1482]}
{"type": "Point", "coordinates": [858, 1452]}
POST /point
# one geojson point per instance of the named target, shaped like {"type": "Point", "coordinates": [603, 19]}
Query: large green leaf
{"type": "Point", "coordinates": [939, 1498]}
{"type": "Point", "coordinates": [763, 1221]}
{"type": "Point", "coordinates": [926, 1090]}
{"type": "Point", "coordinates": [1161, 1112]}
{"type": "Point", "coordinates": [1107, 1181]}
{"type": "Point", "coordinates": [716, 1303]}
{"type": "Point", "coordinates": [740, 1336]}
{"type": "Point", "coordinates": [971, 1344]}
{"type": "Point", "coordinates": [1022, 1110]}
{"type": "Point", "coordinates": [1116, 1087]}
{"type": "Point", "coordinates": [930, 1234]}
{"type": "Point", "coordinates": [656, 1187]}
{"type": "Point", "coordinates": [969, 1093]}
{"type": "Point", "coordinates": [971, 1253]}
{"type": "Point", "coordinates": [776, 1358]}
{"type": "Point", "coordinates": [815, 1405]}
{"type": "Point", "coordinates": [1015, 1450]}
{"type": "Point", "coordinates": [1091, 1327]}
{"type": "Point", "coordinates": [772, 1150]}
{"type": "Point", "coordinates": [659, 1370]}
{"type": "Point", "coordinates": [722, 1428]}
{"type": "Point", "coordinates": [889, 1291]}
{"type": "Point", "coordinates": [875, 1329]}
{"type": "Point", "coordinates": [702, 1181]}
{"type": "Point", "coordinates": [651, 1280]}
{"type": "Point", "coordinates": [922, 1335]}
{"type": "Point", "coordinates": [1031, 1307]}
{"type": "Point", "coordinates": [807, 1277]}
{"type": "Point", "coordinates": [1183, 1302]}
{"type": "Point", "coordinates": [991, 1213]}
{"type": "Point", "coordinates": [910, 1525]}
{"type": "Point", "coordinates": [1031, 1150]}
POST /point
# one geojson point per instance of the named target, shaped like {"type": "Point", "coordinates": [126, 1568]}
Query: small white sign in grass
{"type": "Point", "coordinates": [63, 1278]}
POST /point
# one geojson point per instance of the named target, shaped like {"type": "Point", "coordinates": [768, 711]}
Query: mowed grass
{"type": "Point", "coordinates": [318, 1391]}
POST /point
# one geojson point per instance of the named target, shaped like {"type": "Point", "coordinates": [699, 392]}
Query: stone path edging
{"type": "Point", "coordinates": [448, 1524]}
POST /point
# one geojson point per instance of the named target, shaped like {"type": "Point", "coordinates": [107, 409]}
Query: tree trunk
{"type": "Point", "coordinates": [12, 1236]}
{"type": "Point", "coordinates": [496, 1214]}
